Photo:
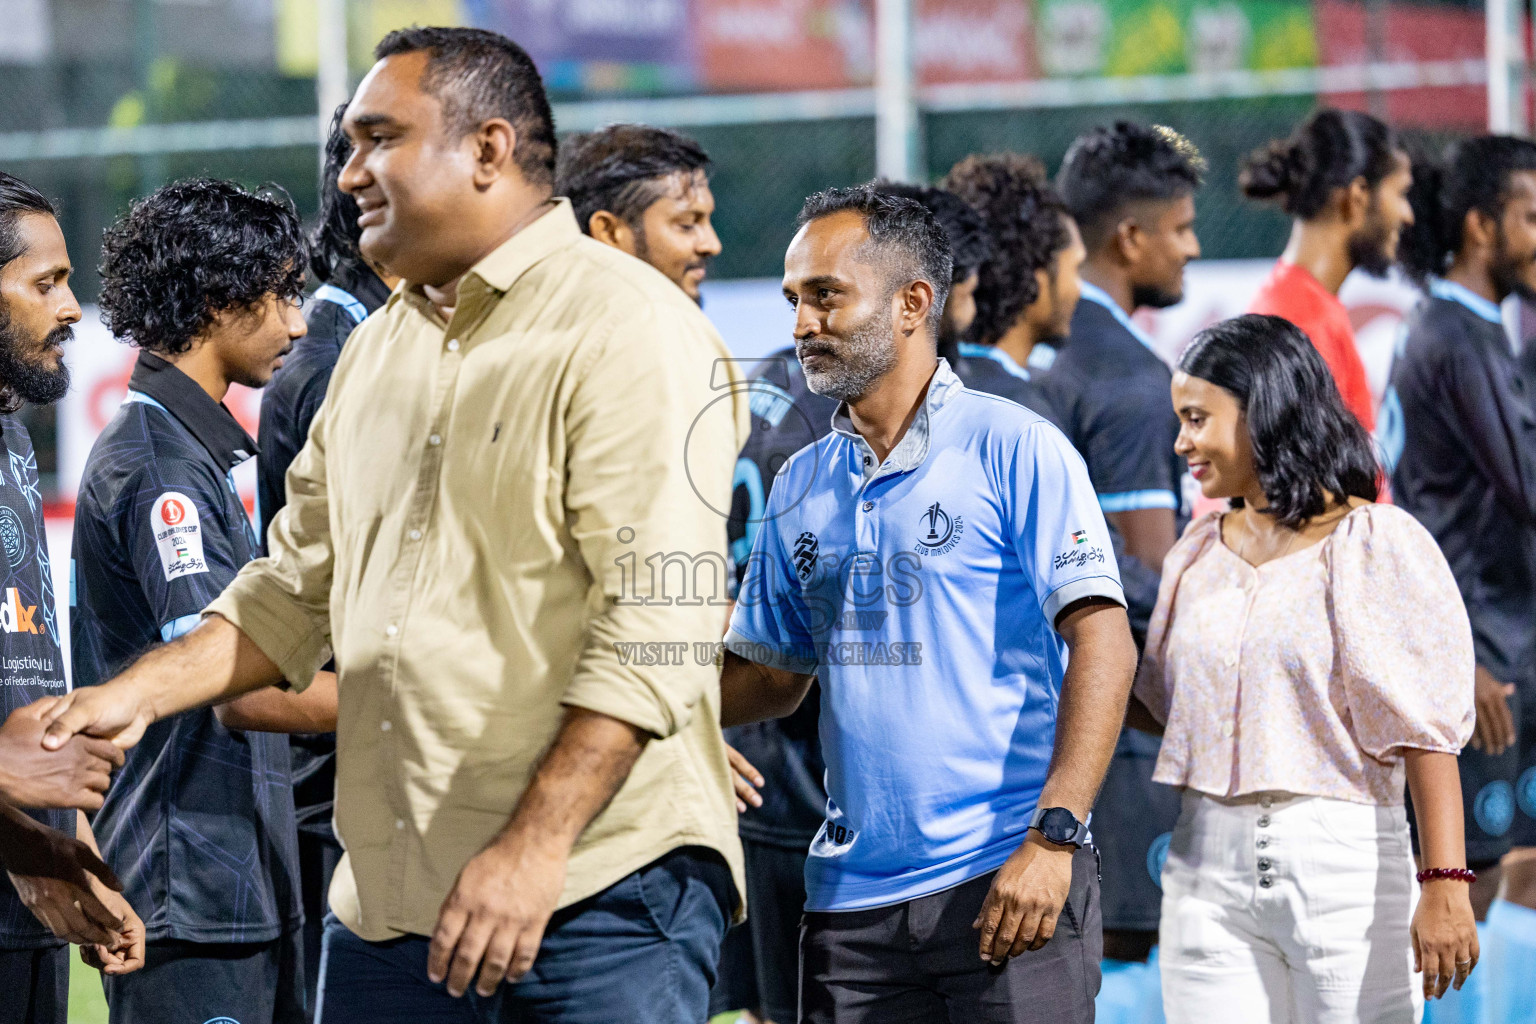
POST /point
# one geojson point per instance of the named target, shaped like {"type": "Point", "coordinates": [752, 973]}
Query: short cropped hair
{"type": "Point", "coordinates": [902, 233]}
{"type": "Point", "coordinates": [1110, 168]}
{"type": "Point", "coordinates": [478, 75]}
{"type": "Point", "coordinates": [623, 169]}
{"type": "Point", "coordinates": [1028, 223]}
{"type": "Point", "coordinates": [17, 198]}
{"type": "Point", "coordinates": [193, 249]}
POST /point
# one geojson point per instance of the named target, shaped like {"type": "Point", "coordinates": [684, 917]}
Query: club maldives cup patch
{"type": "Point", "coordinates": [178, 535]}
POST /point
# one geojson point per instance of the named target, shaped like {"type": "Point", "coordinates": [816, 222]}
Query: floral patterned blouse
{"type": "Point", "coordinates": [1311, 673]}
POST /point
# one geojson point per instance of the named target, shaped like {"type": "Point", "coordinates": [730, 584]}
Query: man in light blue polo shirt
{"type": "Point", "coordinates": [938, 561]}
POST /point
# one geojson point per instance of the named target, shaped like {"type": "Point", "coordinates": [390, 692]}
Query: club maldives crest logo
{"type": "Point", "coordinates": [938, 531]}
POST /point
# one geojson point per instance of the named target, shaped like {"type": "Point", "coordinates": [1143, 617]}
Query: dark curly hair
{"type": "Point", "coordinates": [902, 233]}
{"type": "Point", "coordinates": [1326, 152]}
{"type": "Point", "coordinates": [192, 249]}
{"type": "Point", "coordinates": [333, 243]}
{"type": "Point", "coordinates": [1027, 221]}
{"type": "Point", "coordinates": [479, 75]}
{"type": "Point", "coordinates": [1473, 174]}
{"type": "Point", "coordinates": [1308, 449]}
{"type": "Point", "coordinates": [1109, 168]}
{"type": "Point", "coordinates": [623, 169]}
{"type": "Point", "coordinates": [966, 231]}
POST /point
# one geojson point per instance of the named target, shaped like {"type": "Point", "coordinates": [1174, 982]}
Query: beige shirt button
{"type": "Point", "coordinates": [453, 344]}
{"type": "Point", "coordinates": [415, 535]}
{"type": "Point", "coordinates": [385, 726]}
{"type": "Point", "coordinates": [400, 823]}
{"type": "Point", "coordinates": [391, 629]}
{"type": "Point", "coordinates": [434, 440]}
{"type": "Point", "coordinates": [1226, 730]}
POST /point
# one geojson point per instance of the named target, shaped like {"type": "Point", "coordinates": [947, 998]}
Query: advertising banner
{"type": "Point", "coordinates": [1412, 33]}
{"type": "Point", "coordinates": [599, 45]}
{"type": "Point", "coordinates": [1167, 37]}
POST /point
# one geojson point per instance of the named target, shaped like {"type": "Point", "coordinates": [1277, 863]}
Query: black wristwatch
{"type": "Point", "coordinates": [1059, 825]}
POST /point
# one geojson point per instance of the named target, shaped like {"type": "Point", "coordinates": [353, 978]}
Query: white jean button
{"type": "Point", "coordinates": [385, 726]}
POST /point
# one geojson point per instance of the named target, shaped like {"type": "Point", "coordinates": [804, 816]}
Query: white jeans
{"type": "Point", "coordinates": [1287, 909]}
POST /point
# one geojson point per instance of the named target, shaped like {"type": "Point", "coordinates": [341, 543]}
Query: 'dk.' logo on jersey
{"type": "Point", "coordinates": [938, 531]}
{"type": "Point", "coordinates": [16, 617]}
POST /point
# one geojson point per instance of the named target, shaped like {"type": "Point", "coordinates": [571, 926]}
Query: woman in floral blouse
{"type": "Point", "coordinates": [1309, 652]}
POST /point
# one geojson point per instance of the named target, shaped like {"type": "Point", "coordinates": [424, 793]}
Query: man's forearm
{"type": "Point", "coordinates": [1092, 707]}
{"type": "Point", "coordinates": [750, 692]}
{"type": "Point", "coordinates": [214, 662]}
{"type": "Point", "coordinates": [591, 757]}
{"type": "Point", "coordinates": [270, 709]}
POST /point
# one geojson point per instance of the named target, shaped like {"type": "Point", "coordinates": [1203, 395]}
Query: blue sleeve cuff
{"type": "Point", "coordinates": [1132, 501]}
{"type": "Point", "coordinates": [178, 627]}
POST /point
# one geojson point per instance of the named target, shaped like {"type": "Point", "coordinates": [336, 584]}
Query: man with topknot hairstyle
{"type": "Point", "coordinates": [1344, 178]}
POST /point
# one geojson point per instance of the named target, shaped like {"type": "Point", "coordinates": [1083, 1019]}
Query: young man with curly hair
{"type": "Point", "coordinates": [204, 278]}
{"type": "Point", "coordinates": [1027, 288]}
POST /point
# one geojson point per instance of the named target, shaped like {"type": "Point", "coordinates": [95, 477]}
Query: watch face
{"type": "Point", "coordinates": [1058, 825]}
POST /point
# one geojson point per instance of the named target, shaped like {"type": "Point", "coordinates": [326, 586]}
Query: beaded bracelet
{"type": "Point", "coordinates": [1455, 874]}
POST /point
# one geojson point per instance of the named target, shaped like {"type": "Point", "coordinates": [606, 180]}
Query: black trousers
{"type": "Point", "coordinates": [34, 985]}
{"type": "Point", "coordinates": [919, 962]}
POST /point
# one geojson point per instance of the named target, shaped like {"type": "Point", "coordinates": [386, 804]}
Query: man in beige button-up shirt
{"type": "Point", "coordinates": [507, 523]}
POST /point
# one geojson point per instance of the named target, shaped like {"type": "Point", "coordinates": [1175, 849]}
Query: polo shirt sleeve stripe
{"type": "Point", "coordinates": [1133, 501]}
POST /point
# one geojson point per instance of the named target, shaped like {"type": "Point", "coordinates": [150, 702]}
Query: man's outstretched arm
{"type": "Point", "coordinates": [213, 663]}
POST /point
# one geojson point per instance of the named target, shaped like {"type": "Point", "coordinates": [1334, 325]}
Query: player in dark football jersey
{"type": "Point", "coordinates": [54, 889]}
{"type": "Point", "coordinates": [1458, 432]}
{"type": "Point", "coordinates": [204, 278]}
{"type": "Point", "coordinates": [1131, 189]}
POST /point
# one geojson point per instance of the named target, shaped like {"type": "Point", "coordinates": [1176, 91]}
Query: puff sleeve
{"type": "Point", "coordinates": [1402, 636]}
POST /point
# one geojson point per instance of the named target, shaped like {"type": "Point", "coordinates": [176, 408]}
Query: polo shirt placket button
{"type": "Point", "coordinates": [869, 506]}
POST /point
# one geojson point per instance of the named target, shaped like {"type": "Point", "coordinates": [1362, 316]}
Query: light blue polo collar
{"type": "Point", "coordinates": [1440, 288]}
{"type": "Point", "coordinates": [971, 350]}
{"type": "Point", "coordinates": [1093, 293]}
{"type": "Point", "coordinates": [912, 450]}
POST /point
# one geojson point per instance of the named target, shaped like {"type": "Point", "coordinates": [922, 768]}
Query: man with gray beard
{"type": "Point", "coordinates": [939, 561]}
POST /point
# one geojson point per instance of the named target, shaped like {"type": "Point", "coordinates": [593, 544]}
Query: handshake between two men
{"type": "Point", "coordinates": [59, 875]}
